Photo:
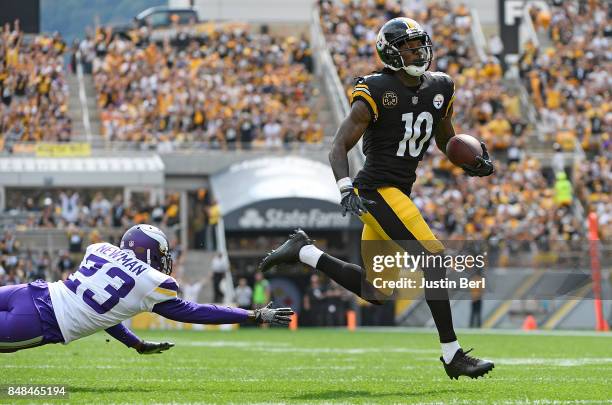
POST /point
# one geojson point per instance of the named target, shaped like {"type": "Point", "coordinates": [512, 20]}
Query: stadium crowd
{"type": "Point", "coordinates": [61, 209]}
{"type": "Point", "coordinates": [220, 87]}
{"type": "Point", "coordinates": [33, 89]}
{"type": "Point", "coordinates": [569, 79]}
{"type": "Point", "coordinates": [19, 265]}
{"type": "Point", "coordinates": [593, 181]}
{"type": "Point", "coordinates": [570, 84]}
{"type": "Point", "coordinates": [518, 203]}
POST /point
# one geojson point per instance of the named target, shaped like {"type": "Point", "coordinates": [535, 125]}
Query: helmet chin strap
{"type": "Point", "coordinates": [414, 70]}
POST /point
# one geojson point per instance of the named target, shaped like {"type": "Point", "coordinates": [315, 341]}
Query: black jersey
{"type": "Point", "coordinates": [403, 121]}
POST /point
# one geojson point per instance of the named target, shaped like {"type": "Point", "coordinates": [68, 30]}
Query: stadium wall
{"type": "Point", "coordinates": [243, 10]}
{"type": "Point", "coordinates": [294, 10]}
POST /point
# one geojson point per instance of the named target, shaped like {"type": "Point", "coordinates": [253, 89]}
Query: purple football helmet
{"type": "Point", "coordinates": [150, 245]}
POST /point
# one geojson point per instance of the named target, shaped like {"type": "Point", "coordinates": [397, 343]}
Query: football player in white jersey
{"type": "Point", "coordinates": [112, 284]}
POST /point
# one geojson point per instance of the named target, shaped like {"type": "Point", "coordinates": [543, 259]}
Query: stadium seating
{"type": "Point", "coordinates": [61, 208]}
{"type": "Point", "coordinates": [33, 90]}
{"type": "Point", "coordinates": [593, 183]}
{"type": "Point", "coordinates": [516, 204]}
{"type": "Point", "coordinates": [569, 76]}
{"type": "Point", "coordinates": [224, 88]}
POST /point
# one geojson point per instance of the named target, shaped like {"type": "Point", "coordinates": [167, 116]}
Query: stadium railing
{"type": "Point", "coordinates": [83, 98]}
{"type": "Point", "coordinates": [103, 147]}
{"type": "Point", "coordinates": [527, 31]}
{"type": "Point", "coordinates": [54, 239]}
{"type": "Point", "coordinates": [478, 37]}
{"type": "Point", "coordinates": [326, 70]}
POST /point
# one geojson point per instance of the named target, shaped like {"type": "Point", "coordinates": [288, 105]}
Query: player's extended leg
{"type": "Point", "coordinates": [348, 275]}
{"type": "Point", "coordinates": [381, 223]}
{"type": "Point", "coordinates": [396, 215]}
{"type": "Point", "coordinates": [20, 325]}
{"type": "Point", "coordinates": [396, 218]}
{"type": "Point", "coordinates": [299, 248]}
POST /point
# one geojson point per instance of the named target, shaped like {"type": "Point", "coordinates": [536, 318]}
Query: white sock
{"type": "Point", "coordinates": [310, 254]}
{"type": "Point", "coordinates": [449, 350]}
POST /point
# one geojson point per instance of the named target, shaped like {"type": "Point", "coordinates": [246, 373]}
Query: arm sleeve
{"type": "Point", "coordinates": [123, 334]}
{"type": "Point", "coordinates": [190, 312]}
{"type": "Point", "coordinates": [361, 91]}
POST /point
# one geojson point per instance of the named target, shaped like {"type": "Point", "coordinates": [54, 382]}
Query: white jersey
{"type": "Point", "coordinates": [111, 285]}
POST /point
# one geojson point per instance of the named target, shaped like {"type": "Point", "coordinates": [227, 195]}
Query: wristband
{"type": "Point", "coordinates": [344, 183]}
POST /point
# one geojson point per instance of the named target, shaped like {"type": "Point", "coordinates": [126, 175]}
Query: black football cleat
{"type": "Point", "coordinates": [462, 364]}
{"type": "Point", "coordinates": [288, 252]}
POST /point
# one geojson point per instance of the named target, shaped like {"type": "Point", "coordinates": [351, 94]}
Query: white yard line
{"type": "Point", "coordinates": [463, 331]}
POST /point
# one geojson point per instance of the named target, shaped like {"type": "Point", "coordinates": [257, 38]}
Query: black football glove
{"type": "Point", "coordinates": [275, 316]}
{"type": "Point", "coordinates": [352, 203]}
{"type": "Point", "coordinates": [484, 166]}
{"type": "Point", "coordinates": [152, 347]}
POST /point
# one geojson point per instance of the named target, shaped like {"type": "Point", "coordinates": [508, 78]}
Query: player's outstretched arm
{"type": "Point", "coordinates": [124, 335]}
{"type": "Point", "coordinates": [128, 338]}
{"type": "Point", "coordinates": [191, 312]}
{"type": "Point", "coordinates": [351, 129]}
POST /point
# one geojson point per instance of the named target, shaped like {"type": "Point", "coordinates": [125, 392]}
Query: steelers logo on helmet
{"type": "Point", "coordinates": [396, 55]}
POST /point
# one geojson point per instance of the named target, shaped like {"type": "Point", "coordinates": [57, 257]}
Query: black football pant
{"type": "Point", "coordinates": [394, 217]}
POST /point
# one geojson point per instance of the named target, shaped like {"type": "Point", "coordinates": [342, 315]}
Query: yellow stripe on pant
{"type": "Point", "coordinates": [399, 217]}
{"type": "Point", "coordinates": [411, 217]}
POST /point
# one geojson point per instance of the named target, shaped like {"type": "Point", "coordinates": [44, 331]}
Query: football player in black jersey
{"type": "Point", "coordinates": [397, 111]}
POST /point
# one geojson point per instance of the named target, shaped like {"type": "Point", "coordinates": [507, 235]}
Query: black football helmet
{"type": "Point", "coordinates": [393, 34]}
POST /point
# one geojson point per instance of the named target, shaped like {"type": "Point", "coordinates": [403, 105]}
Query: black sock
{"type": "Point", "coordinates": [439, 305]}
{"type": "Point", "coordinates": [349, 276]}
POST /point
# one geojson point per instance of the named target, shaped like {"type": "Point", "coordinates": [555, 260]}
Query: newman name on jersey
{"type": "Point", "coordinates": [403, 121]}
{"type": "Point", "coordinates": [110, 286]}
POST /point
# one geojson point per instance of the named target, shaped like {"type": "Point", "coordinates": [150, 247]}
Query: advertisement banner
{"type": "Point", "coordinates": [72, 149]}
{"type": "Point", "coordinates": [288, 214]}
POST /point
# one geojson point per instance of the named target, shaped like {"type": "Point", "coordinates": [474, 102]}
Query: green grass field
{"type": "Point", "coordinates": [318, 366]}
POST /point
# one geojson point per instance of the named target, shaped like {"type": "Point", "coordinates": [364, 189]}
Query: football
{"type": "Point", "coordinates": [462, 149]}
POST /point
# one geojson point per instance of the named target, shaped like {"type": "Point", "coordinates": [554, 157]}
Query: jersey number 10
{"type": "Point", "coordinates": [413, 133]}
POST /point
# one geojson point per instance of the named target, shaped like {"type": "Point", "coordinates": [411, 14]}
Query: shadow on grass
{"type": "Point", "coordinates": [346, 394]}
